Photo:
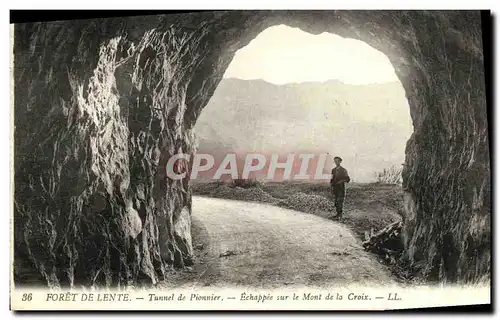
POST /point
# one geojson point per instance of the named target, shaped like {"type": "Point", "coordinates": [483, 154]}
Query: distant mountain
{"type": "Point", "coordinates": [368, 125]}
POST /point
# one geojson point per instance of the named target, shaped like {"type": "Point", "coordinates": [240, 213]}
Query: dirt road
{"type": "Point", "coordinates": [258, 245]}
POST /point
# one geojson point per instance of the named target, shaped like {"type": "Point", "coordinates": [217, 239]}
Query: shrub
{"type": "Point", "coordinates": [244, 183]}
{"type": "Point", "coordinates": [391, 175]}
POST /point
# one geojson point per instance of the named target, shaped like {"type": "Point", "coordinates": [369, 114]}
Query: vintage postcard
{"type": "Point", "coordinates": [251, 160]}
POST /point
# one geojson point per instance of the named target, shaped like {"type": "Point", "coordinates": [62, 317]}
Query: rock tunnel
{"type": "Point", "coordinates": [100, 105]}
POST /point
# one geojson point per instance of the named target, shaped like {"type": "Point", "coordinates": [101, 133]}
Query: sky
{"type": "Point", "coordinates": [281, 54]}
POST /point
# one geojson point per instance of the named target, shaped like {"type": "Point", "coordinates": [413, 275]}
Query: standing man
{"type": "Point", "coordinates": [339, 178]}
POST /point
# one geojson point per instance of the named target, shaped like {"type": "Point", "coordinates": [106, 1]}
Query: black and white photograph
{"type": "Point", "coordinates": [251, 160]}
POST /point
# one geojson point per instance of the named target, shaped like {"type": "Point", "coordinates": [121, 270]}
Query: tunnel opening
{"type": "Point", "coordinates": [289, 92]}
{"type": "Point", "coordinates": [428, 94]}
{"type": "Point", "coordinates": [296, 100]}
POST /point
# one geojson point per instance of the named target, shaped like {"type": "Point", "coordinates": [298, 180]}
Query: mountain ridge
{"type": "Point", "coordinates": [368, 124]}
{"type": "Point", "coordinates": [328, 81]}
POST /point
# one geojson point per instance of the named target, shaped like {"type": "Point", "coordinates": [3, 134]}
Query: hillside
{"type": "Point", "coordinates": [368, 125]}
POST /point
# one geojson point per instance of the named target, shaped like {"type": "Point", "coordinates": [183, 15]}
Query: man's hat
{"type": "Point", "coordinates": [338, 158]}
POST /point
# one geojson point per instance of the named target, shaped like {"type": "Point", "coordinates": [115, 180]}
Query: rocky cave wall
{"type": "Point", "coordinates": [100, 106]}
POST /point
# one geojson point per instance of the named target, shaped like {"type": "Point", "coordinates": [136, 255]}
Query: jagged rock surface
{"type": "Point", "coordinates": [101, 105]}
